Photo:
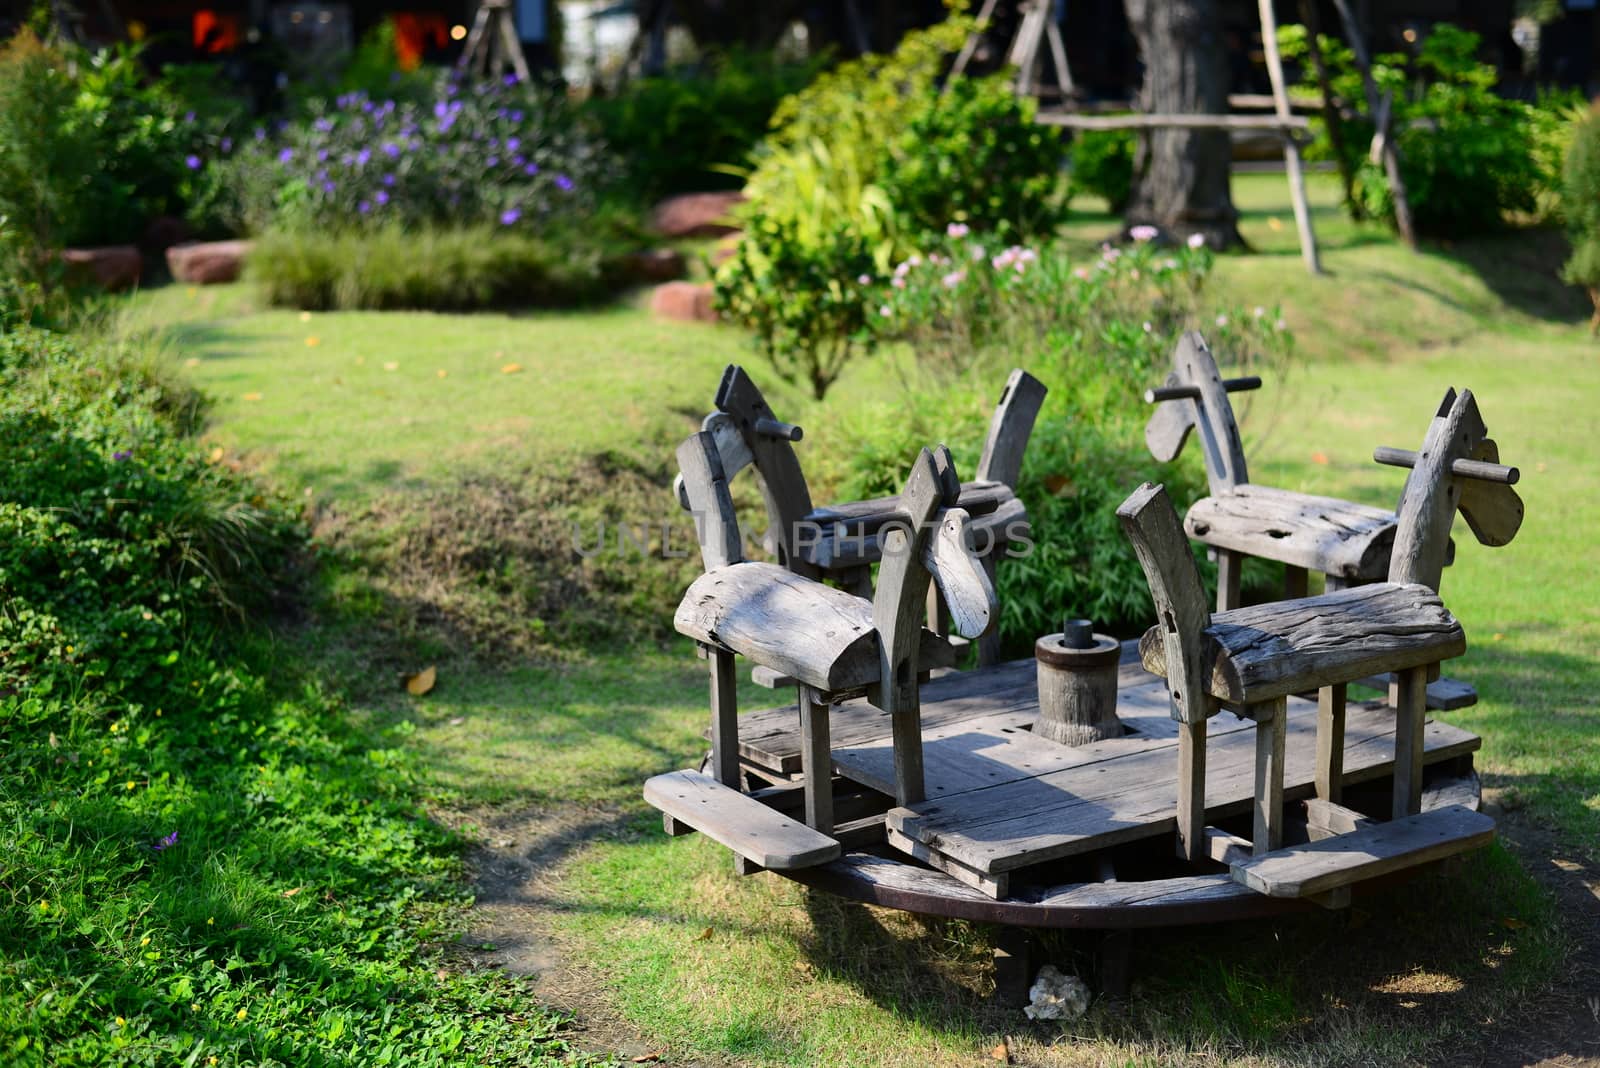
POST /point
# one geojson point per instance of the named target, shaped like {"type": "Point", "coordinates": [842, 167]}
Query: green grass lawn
{"type": "Point", "coordinates": [785, 976]}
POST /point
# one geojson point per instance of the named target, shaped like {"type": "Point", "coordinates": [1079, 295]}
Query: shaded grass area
{"type": "Point", "coordinates": [786, 976]}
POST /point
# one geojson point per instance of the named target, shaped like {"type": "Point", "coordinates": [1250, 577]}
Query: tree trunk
{"type": "Point", "coordinates": [1180, 177]}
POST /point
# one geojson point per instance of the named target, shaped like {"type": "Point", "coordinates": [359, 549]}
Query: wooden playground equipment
{"type": "Point", "coordinates": [1094, 786]}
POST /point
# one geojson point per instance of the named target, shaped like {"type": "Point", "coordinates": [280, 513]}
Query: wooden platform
{"type": "Point", "coordinates": [1001, 799]}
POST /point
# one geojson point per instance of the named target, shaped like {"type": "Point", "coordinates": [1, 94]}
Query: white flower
{"type": "Point", "coordinates": [1027, 255]}
{"type": "Point", "coordinates": [953, 279]}
{"type": "Point", "coordinates": [1197, 241]}
{"type": "Point", "coordinates": [915, 261]}
{"type": "Point", "coordinates": [1147, 326]}
{"type": "Point", "coordinates": [865, 279]}
{"type": "Point", "coordinates": [1169, 263]}
{"type": "Point", "coordinates": [1259, 312]}
{"type": "Point", "coordinates": [899, 282]}
{"type": "Point", "coordinates": [1143, 233]}
{"type": "Point", "coordinates": [977, 253]}
{"type": "Point", "coordinates": [956, 229]}
{"type": "Point", "coordinates": [1281, 325]}
{"type": "Point", "coordinates": [1110, 254]}
{"type": "Point", "coordinates": [1222, 320]}
{"type": "Point", "coordinates": [884, 311]}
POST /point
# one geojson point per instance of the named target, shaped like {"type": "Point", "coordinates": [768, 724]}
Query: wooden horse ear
{"type": "Point", "coordinates": [1493, 510]}
{"type": "Point", "coordinates": [963, 583]}
{"type": "Point", "coordinates": [949, 481]}
{"type": "Point", "coordinates": [1169, 425]}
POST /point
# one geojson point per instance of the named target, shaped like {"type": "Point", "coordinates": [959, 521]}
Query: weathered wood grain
{"type": "Point", "coordinates": [1219, 433]}
{"type": "Point", "coordinates": [783, 483]}
{"type": "Point", "coordinates": [993, 886]}
{"type": "Point", "coordinates": [1428, 502]}
{"type": "Point", "coordinates": [1317, 867]}
{"type": "Point", "coordinates": [1271, 728]}
{"type": "Point", "coordinates": [1077, 690]}
{"type": "Point", "coordinates": [724, 718]}
{"type": "Point", "coordinates": [1494, 512]}
{"type": "Point", "coordinates": [1410, 713]}
{"type": "Point", "coordinates": [1151, 524]}
{"type": "Point", "coordinates": [705, 489]}
{"type": "Point", "coordinates": [965, 588]}
{"type": "Point", "coordinates": [741, 823]}
{"type": "Point", "coordinates": [1251, 654]}
{"type": "Point", "coordinates": [816, 760]}
{"type": "Point", "coordinates": [1010, 428]}
{"type": "Point", "coordinates": [1170, 423]}
{"type": "Point", "coordinates": [1331, 702]}
{"type": "Point", "coordinates": [1191, 807]}
{"type": "Point", "coordinates": [1321, 534]}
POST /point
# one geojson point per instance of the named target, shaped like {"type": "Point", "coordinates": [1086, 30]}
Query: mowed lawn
{"type": "Point", "coordinates": [659, 935]}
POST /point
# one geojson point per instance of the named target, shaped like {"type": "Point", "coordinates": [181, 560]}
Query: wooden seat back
{"type": "Point", "coordinates": [1195, 397]}
{"type": "Point", "coordinates": [1457, 467]}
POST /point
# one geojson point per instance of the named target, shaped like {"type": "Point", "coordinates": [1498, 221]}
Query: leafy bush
{"type": "Point", "coordinates": [1468, 155]}
{"type": "Point", "coordinates": [461, 268]}
{"type": "Point", "coordinates": [497, 153]}
{"type": "Point", "coordinates": [1580, 204]}
{"type": "Point", "coordinates": [89, 150]}
{"type": "Point", "coordinates": [1102, 165]}
{"type": "Point", "coordinates": [862, 163]}
{"type": "Point", "coordinates": [679, 127]}
{"type": "Point", "coordinates": [1097, 331]}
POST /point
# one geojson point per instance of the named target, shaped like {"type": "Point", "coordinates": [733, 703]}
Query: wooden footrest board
{"type": "Point", "coordinates": [743, 824]}
{"type": "Point", "coordinates": [1317, 867]}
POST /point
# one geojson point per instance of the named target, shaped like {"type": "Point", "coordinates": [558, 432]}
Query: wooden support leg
{"type": "Point", "coordinates": [1330, 742]}
{"type": "Point", "coordinates": [1410, 717]}
{"type": "Point", "coordinates": [1228, 566]}
{"type": "Point", "coordinates": [816, 759]}
{"type": "Point", "coordinates": [724, 719]}
{"type": "Point", "coordinates": [1013, 966]}
{"type": "Point", "coordinates": [1271, 720]}
{"type": "Point", "coordinates": [1116, 962]}
{"type": "Point", "coordinates": [1192, 790]}
{"type": "Point", "coordinates": [1295, 584]}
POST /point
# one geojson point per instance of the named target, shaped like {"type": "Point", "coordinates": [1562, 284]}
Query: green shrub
{"type": "Point", "coordinates": [444, 270]}
{"type": "Point", "coordinates": [1102, 165]}
{"type": "Point", "coordinates": [1468, 156]}
{"type": "Point", "coordinates": [1580, 205]}
{"type": "Point", "coordinates": [681, 131]}
{"type": "Point", "coordinates": [862, 163]}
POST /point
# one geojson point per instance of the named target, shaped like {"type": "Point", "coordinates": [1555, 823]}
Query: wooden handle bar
{"type": "Point", "coordinates": [1478, 469]}
{"type": "Point", "coordinates": [1232, 385]}
{"type": "Point", "coordinates": [773, 429]}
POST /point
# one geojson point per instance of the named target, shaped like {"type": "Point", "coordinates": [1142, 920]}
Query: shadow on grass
{"type": "Point", "coordinates": [1523, 268]}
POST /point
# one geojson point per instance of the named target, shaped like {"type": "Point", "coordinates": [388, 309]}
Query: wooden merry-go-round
{"type": "Point", "coordinates": [1222, 766]}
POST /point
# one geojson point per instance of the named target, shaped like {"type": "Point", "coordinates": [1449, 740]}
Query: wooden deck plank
{"type": "Point", "coordinates": [740, 822]}
{"type": "Point", "coordinates": [1090, 806]}
{"type": "Point", "coordinates": [1365, 853]}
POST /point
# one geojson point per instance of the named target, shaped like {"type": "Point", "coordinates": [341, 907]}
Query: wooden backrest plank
{"type": "Point", "coordinates": [1219, 433]}
{"type": "Point", "coordinates": [1151, 523]}
{"type": "Point", "coordinates": [1010, 428]}
{"type": "Point", "coordinates": [783, 484]}
{"type": "Point", "coordinates": [1169, 425]}
{"type": "Point", "coordinates": [1432, 492]}
{"type": "Point", "coordinates": [705, 489]}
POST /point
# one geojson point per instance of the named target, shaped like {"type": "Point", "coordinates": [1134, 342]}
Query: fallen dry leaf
{"type": "Point", "coordinates": [703, 935]}
{"type": "Point", "coordinates": [1511, 923]}
{"type": "Point", "coordinates": [291, 893]}
{"type": "Point", "coordinates": [456, 721]}
{"type": "Point", "coordinates": [1001, 1053]}
{"type": "Point", "coordinates": [1499, 637]}
{"type": "Point", "coordinates": [1275, 224]}
{"type": "Point", "coordinates": [313, 342]}
{"type": "Point", "coordinates": [422, 681]}
{"type": "Point", "coordinates": [252, 396]}
{"type": "Point", "coordinates": [1319, 458]}
{"type": "Point", "coordinates": [192, 361]}
{"type": "Point", "coordinates": [647, 1058]}
{"type": "Point", "coordinates": [305, 317]}
{"type": "Point", "coordinates": [215, 456]}
{"type": "Point", "coordinates": [511, 369]}
{"type": "Point", "coordinates": [442, 372]}
{"type": "Point", "coordinates": [391, 366]}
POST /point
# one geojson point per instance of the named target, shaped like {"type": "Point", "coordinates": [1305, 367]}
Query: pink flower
{"type": "Point", "coordinates": [884, 311]}
{"type": "Point", "coordinates": [1222, 320]}
{"type": "Point", "coordinates": [1143, 233]}
{"type": "Point", "coordinates": [865, 280]}
{"type": "Point", "coordinates": [956, 229]}
{"type": "Point", "coordinates": [1081, 272]}
{"type": "Point", "coordinates": [953, 279]}
{"type": "Point", "coordinates": [1197, 241]}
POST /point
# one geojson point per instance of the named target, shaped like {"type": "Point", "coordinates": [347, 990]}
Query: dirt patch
{"type": "Point", "coordinates": [507, 565]}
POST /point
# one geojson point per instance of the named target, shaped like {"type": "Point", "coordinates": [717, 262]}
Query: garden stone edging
{"type": "Point", "coordinates": [696, 215]}
{"type": "Point", "coordinates": [112, 267]}
{"type": "Point", "coordinates": [683, 301]}
{"type": "Point", "coordinates": [204, 263]}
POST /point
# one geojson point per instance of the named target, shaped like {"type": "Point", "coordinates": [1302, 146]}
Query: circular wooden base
{"type": "Point", "coordinates": [898, 883]}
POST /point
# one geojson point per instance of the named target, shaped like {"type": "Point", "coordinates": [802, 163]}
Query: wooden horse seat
{"type": "Point", "coordinates": [849, 535]}
{"type": "Point", "coordinates": [745, 825]}
{"type": "Point", "coordinates": [1335, 537]}
{"type": "Point", "coordinates": [1369, 851]}
{"type": "Point", "coordinates": [1271, 650]}
{"type": "Point", "coordinates": [810, 632]}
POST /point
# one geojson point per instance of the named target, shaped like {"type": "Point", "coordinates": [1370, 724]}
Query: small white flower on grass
{"type": "Point", "coordinates": [884, 311]}
{"type": "Point", "coordinates": [1259, 311]}
{"type": "Point", "coordinates": [1197, 241]}
{"type": "Point", "coordinates": [865, 279]}
{"type": "Point", "coordinates": [953, 279]}
{"type": "Point", "coordinates": [1222, 320]}
{"type": "Point", "coordinates": [1147, 326]}
{"type": "Point", "coordinates": [1143, 233]}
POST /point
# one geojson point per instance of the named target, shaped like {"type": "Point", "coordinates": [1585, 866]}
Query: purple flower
{"type": "Point", "coordinates": [121, 455]}
{"type": "Point", "coordinates": [328, 187]}
{"type": "Point", "coordinates": [391, 149]}
{"type": "Point", "coordinates": [513, 143]}
{"type": "Point", "coordinates": [364, 207]}
{"type": "Point", "coordinates": [362, 157]}
{"type": "Point", "coordinates": [516, 116]}
{"type": "Point", "coordinates": [227, 144]}
{"type": "Point", "coordinates": [509, 216]}
{"type": "Point", "coordinates": [563, 183]}
{"type": "Point", "coordinates": [323, 125]}
{"type": "Point", "coordinates": [261, 135]}
{"type": "Point", "coordinates": [382, 197]}
{"type": "Point", "coordinates": [388, 179]}
{"type": "Point", "coordinates": [192, 162]}
{"type": "Point", "coordinates": [322, 155]}
{"type": "Point", "coordinates": [164, 843]}
{"type": "Point", "coordinates": [188, 117]}
{"type": "Point", "coordinates": [510, 80]}
{"type": "Point", "coordinates": [492, 161]}
{"type": "Point", "coordinates": [286, 155]}
{"type": "Point", "coordinates": [531, 169]}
